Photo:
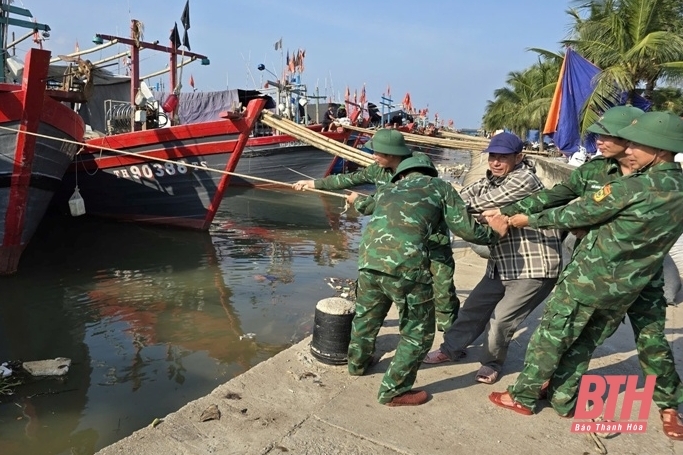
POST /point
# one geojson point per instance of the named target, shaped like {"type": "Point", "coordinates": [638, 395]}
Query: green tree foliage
{"type": "Point", "coordinates": [523, 104]}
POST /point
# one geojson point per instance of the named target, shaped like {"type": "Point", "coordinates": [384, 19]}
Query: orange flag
{"type": "Point", "coordinates": [192, 81]}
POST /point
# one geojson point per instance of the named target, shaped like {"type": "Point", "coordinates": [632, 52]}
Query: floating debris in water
{"type": "Point", "coordinates": [263, 278]}
{"type": "Point", "coordinates": [248, 336]}
{"type": "Point", "coordinates": [451, 170]}
{"type": "Point", "coordinates": [343, 287]}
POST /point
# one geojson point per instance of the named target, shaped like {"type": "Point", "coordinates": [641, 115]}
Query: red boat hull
{"type": "Point", "coordinates": [129, 184]}
{"type": "Point", "coordinates": [33, 159]}
{"type": "Point", "coordinates": [162, 176]}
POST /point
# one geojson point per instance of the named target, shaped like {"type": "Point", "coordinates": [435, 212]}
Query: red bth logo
{"type": "Point", "coordinates": [591, 406]}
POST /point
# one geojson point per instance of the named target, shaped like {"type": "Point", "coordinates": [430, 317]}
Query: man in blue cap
{"type": "Point", "coordinates": [521, 270]}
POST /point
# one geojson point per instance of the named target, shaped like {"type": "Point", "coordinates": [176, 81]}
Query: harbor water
{"type": "Point", "coordinates": [153, 318]}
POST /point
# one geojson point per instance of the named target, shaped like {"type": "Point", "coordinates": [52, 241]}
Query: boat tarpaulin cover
{"type": "Point", "coordinates": [206, 106]}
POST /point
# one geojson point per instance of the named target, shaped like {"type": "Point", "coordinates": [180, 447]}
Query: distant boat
{"type": "Point", "coordinates": [33, 158]}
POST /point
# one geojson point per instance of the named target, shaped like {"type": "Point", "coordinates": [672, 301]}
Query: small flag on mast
{"type": "Point", "coordinates": [186, 40]}
{"type": "Point", "coordinates": [175, 37]}
{"type": "Point", "coordinates": [278, 44]}
{"type": "Point", "coordinates": [192, 82]}
{"type": "Point", "coordinates": [185, 17]}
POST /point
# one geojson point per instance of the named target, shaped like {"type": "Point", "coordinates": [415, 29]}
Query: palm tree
{"type": "Point", "coordinates": [523, 104]}
{"type": "Point", "coordinates": [637, 43]}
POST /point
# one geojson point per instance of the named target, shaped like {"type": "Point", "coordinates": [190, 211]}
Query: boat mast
{"type": "Point", "coordinates": [5, 21]}
{"type": "Point", "coordinates": [135, 47]}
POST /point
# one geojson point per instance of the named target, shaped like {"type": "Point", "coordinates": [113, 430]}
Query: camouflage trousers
{"type": "Point", "coordinates": [446, 302]}
{"type": "Point", "coordinates": [375, 293]}
{"type": "Point", "coordinates": [647, 316]}
{"type": "Point", "coordinates": [561, 348]}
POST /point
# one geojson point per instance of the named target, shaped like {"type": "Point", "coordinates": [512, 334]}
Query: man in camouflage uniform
{"type": "Point", "coordinates": [389, 150]}
{"type": "Point", "coordinates": [393, 266]}
{"type": "Point", "coordinates": [633, 222]}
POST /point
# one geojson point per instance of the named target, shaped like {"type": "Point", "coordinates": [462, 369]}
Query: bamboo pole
{"type": "Point", "coordinates": [317, 140]}
{"type": "Point", "coordinates": [418, 139]}
{"type": "Point", "coordinates": [461, 136]}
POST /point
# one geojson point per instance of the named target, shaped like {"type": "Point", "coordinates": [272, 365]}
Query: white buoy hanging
{"type": "Point", "coordinates": [76, 203]}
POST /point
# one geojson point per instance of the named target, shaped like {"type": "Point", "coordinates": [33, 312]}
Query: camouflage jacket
{"type": "Point", "coordinates": [439, 243]}
{"type": "Point", "coordinates": [405, 215]}
{"type": "Point", "coordinates": [635, 220]}
{"type": "Point", "coordinates": [585, 179]}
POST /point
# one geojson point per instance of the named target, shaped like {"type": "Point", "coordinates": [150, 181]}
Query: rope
{"type": "Point", "coordinates": [163, 160]}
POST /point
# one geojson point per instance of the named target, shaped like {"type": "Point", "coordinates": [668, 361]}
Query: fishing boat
{"type": "Point", "coordinates": [141, 163]}
{"type": "Point", "coordinates": [33, 123]}
{"type": "Point", "coordinates": [167, 158]}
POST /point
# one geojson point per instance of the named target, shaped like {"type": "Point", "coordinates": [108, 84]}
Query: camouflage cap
{"type": "Point", "coordinates": [389, 142]}
{"type": "Point", "coordinates": [614, 119]}
{"type": "Point", "coordinates": [415, 163]}
{"type": "Point", "coordinates": [661, 130]}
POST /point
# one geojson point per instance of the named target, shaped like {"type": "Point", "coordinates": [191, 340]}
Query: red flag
{"type": "Point", "coordinates": [407, 104]}
{"type": "Point", "coordinates": [191, 81]}
{"type": "Point", "coordinates": [347, 94]}
{"type": "Point", "coordinates": [363, 99]}
{"type": "Point", "coordinates": [290, 63]}
{"type": "Point", "coordinates": [388, 91]}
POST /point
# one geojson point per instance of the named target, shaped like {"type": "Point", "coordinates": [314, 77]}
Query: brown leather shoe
{"type": "Point", "coordinates": [409, 398]}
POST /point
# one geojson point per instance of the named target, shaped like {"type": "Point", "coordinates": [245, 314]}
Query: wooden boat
{"type": "Point", "coordinates": [156, 159]}
{"type": "Point", "coordinates": [145, 172]}
{"type": "Point", "coordinates": [33, 158]}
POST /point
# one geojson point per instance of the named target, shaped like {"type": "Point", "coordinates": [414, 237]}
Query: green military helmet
{"type": "Point", "coordinates": [388, 142]}
{"type": "Point", "coordinates": [615, 119]}
{"type": "Point", "coordinates": [660, 130]}
{"type": "Point", "coordinates": [415, 163]}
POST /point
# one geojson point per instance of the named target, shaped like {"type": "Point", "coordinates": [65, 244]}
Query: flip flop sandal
{"type": "Point", "coordinates": [497, 399]}
{"type": "Point", "coordinates": [487, 375]}
{"type": "Point", "coordinates": [435, 357]}
{"type": "Point", "coordinates": [672, 426]}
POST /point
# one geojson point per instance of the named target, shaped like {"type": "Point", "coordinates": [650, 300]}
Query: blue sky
{"type": "Point", "coordinates": [449, 55]}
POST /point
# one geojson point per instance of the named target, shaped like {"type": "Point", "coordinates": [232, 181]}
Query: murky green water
{"type": "Point", "coordinates": [153, 318]}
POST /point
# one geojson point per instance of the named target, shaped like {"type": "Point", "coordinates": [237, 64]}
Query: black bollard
{"type": "Point", "coordinates": [332, 331]}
